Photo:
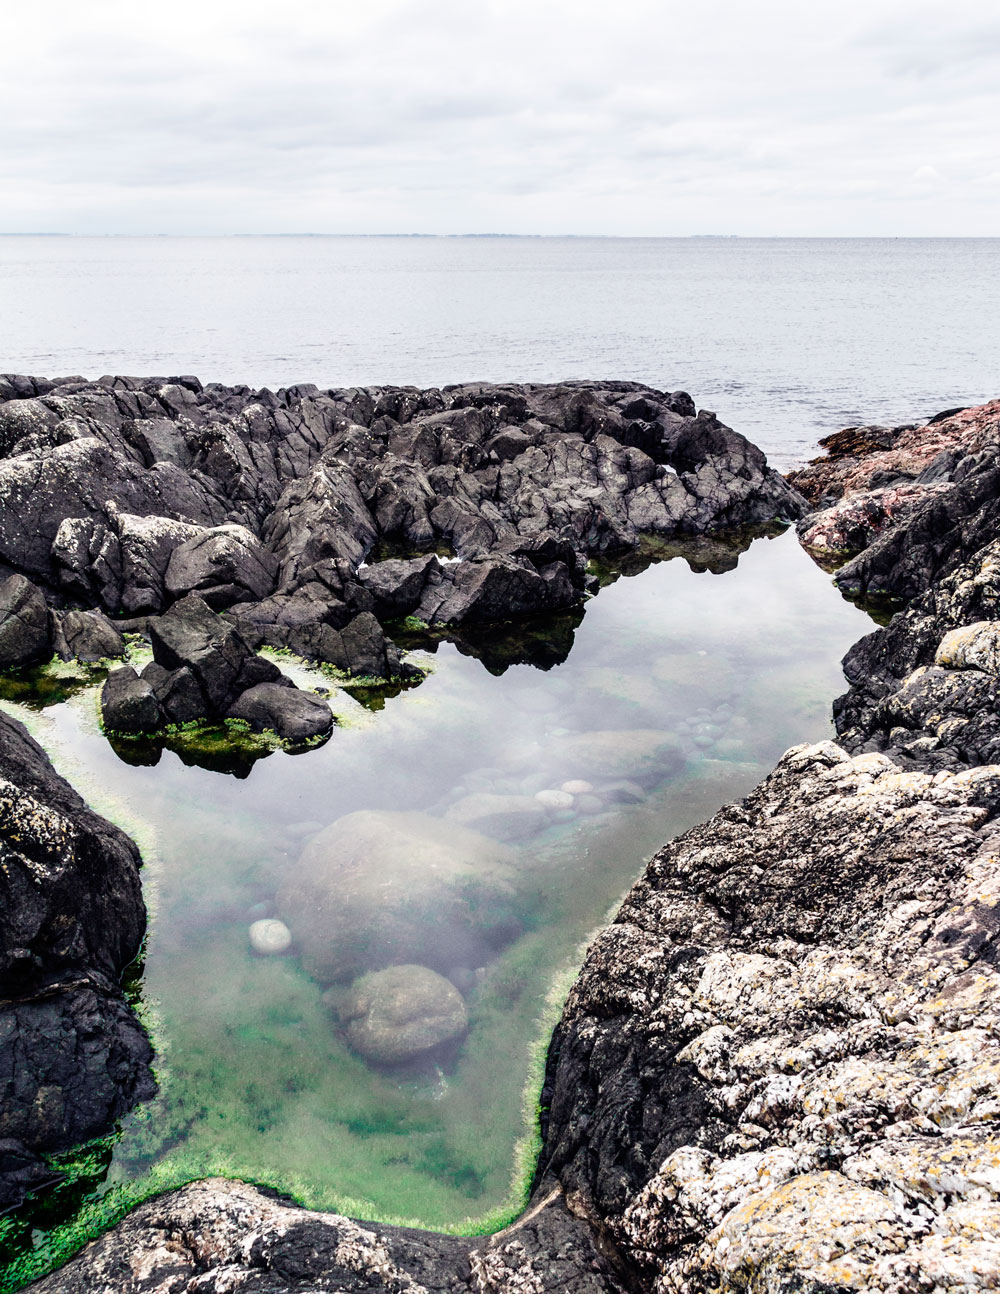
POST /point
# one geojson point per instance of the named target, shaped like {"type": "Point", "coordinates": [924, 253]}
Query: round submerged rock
{"type": "Point", "coordinates": [505, 817]}
{"type": "Point", "coordinates": [379, 886]}
{"type": "Point", "coordinates": [270, 937]}
{"type": "Point", "coordinates": [400, 1013]}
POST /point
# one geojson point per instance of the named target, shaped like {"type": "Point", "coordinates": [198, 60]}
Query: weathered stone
{"type": "Point", "coordinates": [295, 716]}
{"type": "Point", "coordinates": [129, 704]}
{"type": "Point", "coordinates": [377, 886]}
{"type": "Point", "coordinates": [402, 1012]}
{"type": "Point", "coordinates": [25, 629]}
{"type": "Point", "coordinates": [88, 636]}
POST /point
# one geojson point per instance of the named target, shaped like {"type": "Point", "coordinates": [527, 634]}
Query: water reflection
{"type": "Point", "coordinates": [435, 867]}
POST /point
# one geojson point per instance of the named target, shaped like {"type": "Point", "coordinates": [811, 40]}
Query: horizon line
{"type": "Point", "coordinates": [713, 237]}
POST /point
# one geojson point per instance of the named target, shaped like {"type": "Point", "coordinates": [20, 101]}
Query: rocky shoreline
{"type": "Point", "coordinates": [777, 1069]}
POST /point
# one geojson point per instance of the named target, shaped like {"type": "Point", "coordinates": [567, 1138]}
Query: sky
{"type": "Point", "coordinates": [625, 117]}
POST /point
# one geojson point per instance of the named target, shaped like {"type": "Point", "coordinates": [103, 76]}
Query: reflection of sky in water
{"type": "Point", "coordinates": [256, 1079]}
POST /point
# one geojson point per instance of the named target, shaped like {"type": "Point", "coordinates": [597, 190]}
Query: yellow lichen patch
{"type": "Point", "coordinates": [818, 1229]}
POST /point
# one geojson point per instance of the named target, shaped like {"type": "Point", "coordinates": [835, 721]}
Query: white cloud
{"type": "Point", "coordinates": [549, 116]}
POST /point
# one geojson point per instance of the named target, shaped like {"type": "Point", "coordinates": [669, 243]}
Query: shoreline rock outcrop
{"type": "Point", "coordinates": [73, 1055]}
{"type": "Point", "coordinates": [315, 517]}
{"type": "Point", "coordinates": [778, 1067]}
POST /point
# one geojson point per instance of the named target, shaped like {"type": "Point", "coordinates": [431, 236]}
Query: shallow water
{"type": "Point", "coordinates": [256, 1076]}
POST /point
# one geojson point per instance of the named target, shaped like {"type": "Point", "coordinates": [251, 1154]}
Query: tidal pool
{"type": "Point", "coordinates": [680, 691]}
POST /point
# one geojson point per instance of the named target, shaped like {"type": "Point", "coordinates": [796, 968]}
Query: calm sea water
{"type": "Point", "coordinates": [787, 339]}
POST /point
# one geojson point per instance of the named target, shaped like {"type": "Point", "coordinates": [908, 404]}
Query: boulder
{"type": "Point", "coordinates": [501, 588]}
{"type": "Point", "coordinates": [378, 886]}
{"type": "Point", "coordinates": [88, 636]}
{"type": "Point", "coordinates": [400, 1013]}
{"type": "Point", "coordinates": [25, 629]}
{"type": "Point", "coordinates": [505, 817]}
{"type": "Point", "coordinates": [190, 634]}
{"type": "Point", "coordinates": [397, 586]}
{"type": "Point", "coordinates": [295, 716]}
{"type": "Point", "coordinates": [178, 692]}
{"type": "Point", "coordinates": [128, 704]}
{"type": "Point", "coordinates": [73, 1056]}
{"type": "Point", "coordinates": [225, 565]}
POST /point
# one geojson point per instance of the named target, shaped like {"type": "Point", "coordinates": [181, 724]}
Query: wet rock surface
{"type": "Point", "coordinates": [73, 1056]}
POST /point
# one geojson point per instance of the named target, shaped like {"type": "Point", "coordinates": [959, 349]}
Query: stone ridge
{"type": "Point", "coordinates": [300, 510]}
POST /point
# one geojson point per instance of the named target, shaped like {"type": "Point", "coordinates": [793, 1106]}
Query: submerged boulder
{"type": "Point", "coordinates": [635, 754]}
{"type": "Point", "coordinates": [25, 629]}
{"type": "Point", "coordinates": [505, 817]}
{"type": "Point", "coordinates": [402, 1012]}
{"type": "Point", "coordinates": [380, 886]}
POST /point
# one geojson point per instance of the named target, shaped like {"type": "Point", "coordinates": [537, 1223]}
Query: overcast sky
{"type": "Point", "coordinates": [514, 116]}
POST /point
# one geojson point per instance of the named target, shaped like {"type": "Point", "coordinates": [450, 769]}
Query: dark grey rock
{"type": "Point", "coordinates": [25, 628]}
{"type": "Point", "coordinates": [88, 636]}
{"type": "Point", "coordinates": [73, 1057]}
{"type": "Point", "coordinates": [191, 635]}
{"type": "Point", "coordinates": [296, 716]}
{"type": "Point", "coordinates": [129, 704]}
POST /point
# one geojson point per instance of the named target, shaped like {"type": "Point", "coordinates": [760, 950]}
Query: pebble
{"type": "Point", "coordinates": [577, 787]}
{"type": "Point", "coordinates": [270, 937]}
{"type": "Point", "coordinates": [589, 804]}
{"type": "Point", "coordinates": [553, 799]}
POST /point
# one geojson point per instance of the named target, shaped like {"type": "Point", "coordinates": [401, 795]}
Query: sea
{"type": "Point", "coordinates": [786, 339]}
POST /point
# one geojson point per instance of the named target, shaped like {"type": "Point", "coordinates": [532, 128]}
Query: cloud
{"type": "Point", "coordinates": [554, 115]}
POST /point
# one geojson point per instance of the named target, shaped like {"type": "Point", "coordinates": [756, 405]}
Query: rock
{"type": "Point", "coordinates": [576, 786]}
{"type": "Point", "coordinates": [25, 631]}
{"type": "Point", "coordinates": [397, 586]}
{"type": "Point", "coordinates": [552, 799]}
{"type": "Point", "coordinates": [505, 817]}
{"type": "Point", "coordinates": [395, 1015]}
{"type": "Point", "coordinates": [551, 1251]}
{"type": "Point", "coordinates": [270, 937]}
{"type": "Point", "coordinates": [623, 792]}
{"type": "Point", "coordinates": [178, 692]}
{"type": "Point", "coordinates": [500, 588]}
{"type": "Point", "coordinates": [73, 1056]}
{"type": "Point", "coordinates": [88, 636]}
{"type": "Point", "coordinates": [191, 635]}
{"type": "Point", "coordinates": [225, 565]}
{"type": "Point", "coordinates": [639, 754]}
{"type": "Point", "coordinates": [378, 886]}
{"type": "Point", "coordinates": [975, 646]}
{"type": "Point", "coordinates": [128, 704]}
{"type": "Point", "coordinates": [295, 716]}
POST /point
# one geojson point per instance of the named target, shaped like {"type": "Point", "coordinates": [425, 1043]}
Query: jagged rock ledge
{"type": "Point", "coordinates": [778, 1068]}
